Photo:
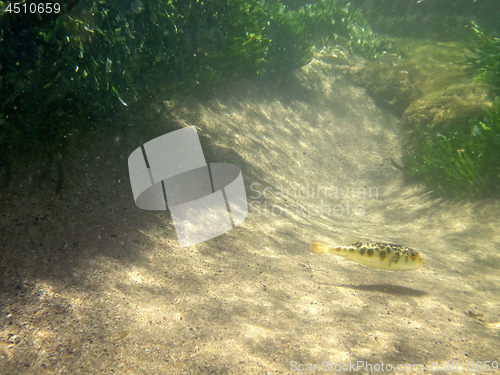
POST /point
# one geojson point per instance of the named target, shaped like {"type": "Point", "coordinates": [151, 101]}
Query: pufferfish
{"type": "Point", "coordinates": [382, 256]}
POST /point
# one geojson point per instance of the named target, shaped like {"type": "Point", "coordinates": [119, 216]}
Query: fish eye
{"type": "Point", "coordinates": [413, 254]}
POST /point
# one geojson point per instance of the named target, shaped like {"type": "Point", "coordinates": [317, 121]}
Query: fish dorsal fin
{"type": "Point", "coordinates": [350, 239]}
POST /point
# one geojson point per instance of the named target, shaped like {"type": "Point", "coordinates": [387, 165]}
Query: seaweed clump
{"type": "Point", "coordinates": [91, 63]}
{"type": "Point", "coordinates": [461, 162]}
{"type": "Point", "coordinates": [485, 65]}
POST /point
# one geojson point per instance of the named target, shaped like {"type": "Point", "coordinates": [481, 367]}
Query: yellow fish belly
{"type": "Point", "coordinates": [383, 256]}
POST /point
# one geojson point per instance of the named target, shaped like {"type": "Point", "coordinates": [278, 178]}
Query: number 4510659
{"type": "Point", "coordinates": [33, 8]}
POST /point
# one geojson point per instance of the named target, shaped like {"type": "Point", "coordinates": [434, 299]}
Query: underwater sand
{"type": "Point", "coordinates": [92, 284]}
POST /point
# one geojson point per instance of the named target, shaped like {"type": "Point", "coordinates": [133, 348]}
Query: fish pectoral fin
{"type": "Point", "coordinates": [395, 258]}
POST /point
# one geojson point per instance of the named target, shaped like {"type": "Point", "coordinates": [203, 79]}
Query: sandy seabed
{"type": "Point", "coordinates": [92, 284]}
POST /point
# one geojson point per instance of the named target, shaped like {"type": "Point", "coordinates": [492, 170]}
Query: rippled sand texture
{"type": "Point", "coordinates": [92, 284]}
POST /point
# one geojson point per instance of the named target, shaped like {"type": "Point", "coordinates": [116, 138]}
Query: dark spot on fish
{"type": "Point", "coordinates": [406, 259]}
{"type": "Point", "coordinates": [388, 250]}
{"type": "Point", "coordinates": [358, 244]}
{"type": "Point", "coordinates": [338, 248]}
{"type": "Point", "coordinates": [370, 252]}
{"type": "Point", "coordinates": [382, 255]}
{"type": "Point", "coordinates": [351, 249]}
{"type": "Point", "coordinates": [362, 251]}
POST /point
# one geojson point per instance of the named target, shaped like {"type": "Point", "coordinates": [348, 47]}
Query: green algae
{"type": "Point", "coordinates": [461, 161]}
{"type": "Point", "coordinates": [485, 65]}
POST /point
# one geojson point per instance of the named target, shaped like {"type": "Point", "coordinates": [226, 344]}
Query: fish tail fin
{"type": "Point", "coordinates": [319, 248]}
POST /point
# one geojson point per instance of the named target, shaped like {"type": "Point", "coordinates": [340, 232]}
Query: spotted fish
{"type": "Point", "coordinates": [383, 256]}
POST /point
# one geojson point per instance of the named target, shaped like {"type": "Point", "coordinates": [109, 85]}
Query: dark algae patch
{"type": "Point", "coordinates": [102, 59]}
